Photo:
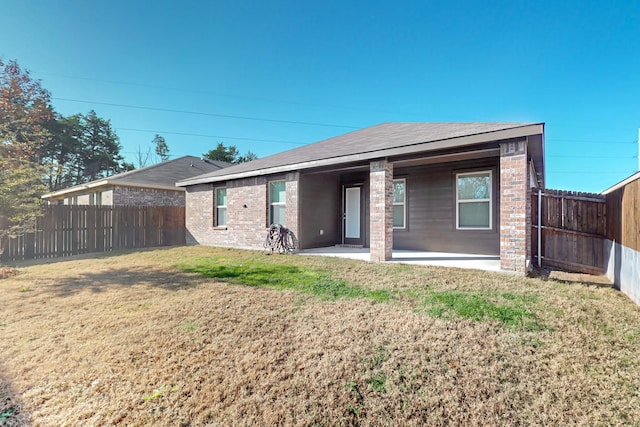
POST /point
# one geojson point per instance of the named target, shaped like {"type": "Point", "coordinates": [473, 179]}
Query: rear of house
{"type": "Point", "coordinates": [446, 187]}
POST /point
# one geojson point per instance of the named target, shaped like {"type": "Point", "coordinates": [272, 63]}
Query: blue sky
{"type": "Point", "coordinates": [270, 76]}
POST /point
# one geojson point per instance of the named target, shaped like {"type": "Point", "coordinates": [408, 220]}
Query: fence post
{"type": "Point", "coordinates": [539, 227]}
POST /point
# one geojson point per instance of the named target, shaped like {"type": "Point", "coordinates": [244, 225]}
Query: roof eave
{"type": "Point", "coordinates": [461, 141]}
{"type": "Point", "coordinates": [621, 183]}
{"type": "Point", "coordinates": [104, 183]}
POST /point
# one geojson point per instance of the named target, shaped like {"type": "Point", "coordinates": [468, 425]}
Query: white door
{"type": "Point", "coordinates": [352, 213]}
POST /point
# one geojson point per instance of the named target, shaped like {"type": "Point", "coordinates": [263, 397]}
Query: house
{"type": "Point", "coordinates": [622, 240]}
{"type": "Point", "coordinates": [446, 187]}
{"type": "Point", "coordinates": [151, 185]}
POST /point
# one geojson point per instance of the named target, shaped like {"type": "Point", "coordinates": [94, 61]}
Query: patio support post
{"type": "Point", "coordinates": [381, 210]}
{"type": "Point", "coordinates": [515, 208]}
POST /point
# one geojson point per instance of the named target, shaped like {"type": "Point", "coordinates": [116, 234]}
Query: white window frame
{"type": "Point", "coordinates": [272, 204]}
{"type": "Point", "coordinates": [216, 207]}
{"type": "Point", "coordinates": [489, 200]}
{"type": "Point", "coordinates": [403, 204]}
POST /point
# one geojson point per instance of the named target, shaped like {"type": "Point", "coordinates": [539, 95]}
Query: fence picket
{"type": "Point", "coordinates": [71, 230]}
{"type": "Point", "coordinates": [573, 230]}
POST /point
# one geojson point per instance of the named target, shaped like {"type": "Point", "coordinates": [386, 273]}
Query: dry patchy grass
{"type": "Point", "coordinates": [132, 339]}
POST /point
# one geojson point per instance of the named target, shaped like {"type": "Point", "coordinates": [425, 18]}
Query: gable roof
{"type": "Point", "coordinates": [160, 176]}
{"type": "Point", "coordinates": [383, 140]}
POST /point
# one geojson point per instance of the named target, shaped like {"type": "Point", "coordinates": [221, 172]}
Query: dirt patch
{"type": "Point", "coordinates": [564, 276]}
{"type": "Point", "coordinates": [6, 272]}
{"type": "Point", "coordinates": [131, 340]}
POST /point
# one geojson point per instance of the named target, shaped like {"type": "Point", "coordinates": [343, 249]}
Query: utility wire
{"type": "Point", "coordinates": [198, 113]}
{"type": "Point", "coordinates": [226, 95]}
{"type": "Point", "coordinates": [210, 136]}
{"type": "Point", "coordinates": [589, 157]}
{"type": "Point", "coordinates": [588, 172]}
{"type": "Point", "coordinates": [591, 141]}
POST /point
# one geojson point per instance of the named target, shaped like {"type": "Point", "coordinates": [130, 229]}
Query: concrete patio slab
{"type": "Point", "coordinates": [441, 259]}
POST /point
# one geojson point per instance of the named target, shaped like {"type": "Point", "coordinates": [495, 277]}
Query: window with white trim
{"type": "Point", "coordinates": [399, 203]}
{"type": "Point", "coordinates": [277, 202]}
{"type": "Point", "coordinates": [473, 201]}
{"type": "Point", "coordinates": [221, 207]}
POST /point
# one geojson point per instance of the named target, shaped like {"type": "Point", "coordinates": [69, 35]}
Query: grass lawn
{"type": "Point", "coordinates": [198, 335]}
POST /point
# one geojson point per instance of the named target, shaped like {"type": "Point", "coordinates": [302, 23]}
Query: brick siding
{"type": "Point", "coordinates": [135, 196]}
{"type": "Point", "coordinates": [381, 210]}
{"type": "Point", "coordinates": [515, 208]}
{"type": "Point", "coordinates": [247, 212]}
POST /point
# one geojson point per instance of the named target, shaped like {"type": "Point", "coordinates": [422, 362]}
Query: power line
{"type": "Point", "coordinates": [571, 156]}
{"type": "Point", "coordinates": [210, 136]}
{"type": "Point", "coordinates": [198, 113]}
{"type": "Point", "coordinates": [591, 141]}
{"type": "Point", "coordinates": [226, 95]}
{"type": "Point", "coordinates": [588, 172]}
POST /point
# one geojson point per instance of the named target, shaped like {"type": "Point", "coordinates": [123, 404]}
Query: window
{"type": "Point", "coordinates": [277, 199]}
{"type": "Point", "coordinates": [399, 203]}
{"type": "Point", "coordinates": [473, 200]}
{"type": "Point", "coordinates": [99, 198]}
{"type": "Point", "coordinates": [221, 207]}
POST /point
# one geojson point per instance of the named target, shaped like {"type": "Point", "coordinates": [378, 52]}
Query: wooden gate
{"type": "Point", "coordinates": [569, 230]}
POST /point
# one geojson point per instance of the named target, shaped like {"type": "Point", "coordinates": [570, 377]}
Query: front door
{"type": "Point", "coordinates": [352, 216]}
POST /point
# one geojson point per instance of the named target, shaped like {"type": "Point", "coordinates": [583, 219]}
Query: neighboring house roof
{"type": "Point", "coordinates": [383, 140]}
{"type": "Point", "coordinates": [621, 183]}
{"type": "Point", "coordinates": [160, 176]}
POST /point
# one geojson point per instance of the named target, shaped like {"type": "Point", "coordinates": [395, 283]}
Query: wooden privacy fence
{"type": "Point", "coordinates": [569, 229]}
{"type": "Point", "coordinates": [71, 230]}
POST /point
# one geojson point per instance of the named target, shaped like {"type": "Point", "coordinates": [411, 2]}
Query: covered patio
{"type": "Point", "coordinates": [440, 259]}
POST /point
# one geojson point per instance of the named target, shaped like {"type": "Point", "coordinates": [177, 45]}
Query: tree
{"type": "Point", "coordinates": [229, 154]}
{"type": "Point", "coordinates": [144, 158]}
{"type": "Point", "coordinates": [25, 114]}
{"type": "Point", "coordinates": [81, 148]}
{"type": "Point", "coordinates": [247, 157]}
{"type": "Point", "coordinates": [20, 191]}
{"type": "Point", "coordinates": [162, 149]}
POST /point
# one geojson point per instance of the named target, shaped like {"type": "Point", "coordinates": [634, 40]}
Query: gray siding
{"type": "Point", "coordinates": [319, 210]}
{"type": "Point", "coordinates": [431, 219]}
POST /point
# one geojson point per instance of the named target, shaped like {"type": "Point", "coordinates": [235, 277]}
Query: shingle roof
{"type": "Point", "coordinates": [363, 144]}
{"type": "Point", "coordinates": [162, 175]}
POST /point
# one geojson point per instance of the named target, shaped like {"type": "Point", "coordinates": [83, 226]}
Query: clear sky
{"type": "Point", "coordinates": [272, 75]}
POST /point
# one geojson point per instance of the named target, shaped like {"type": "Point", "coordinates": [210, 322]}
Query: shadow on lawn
{"type": "Point", "coordinates": [11, 413]}
{"type": "Point", "coordinates": [125, 277]}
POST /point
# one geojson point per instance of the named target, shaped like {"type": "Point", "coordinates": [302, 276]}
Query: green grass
{"type": "Point", "coordinates": [281, 277]}
{"type": "Point", "coordinates": [188, 326]}
{"type": "Point", "coordinates": [506, 308]}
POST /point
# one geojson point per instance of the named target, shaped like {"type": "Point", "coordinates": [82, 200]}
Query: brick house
{"type": "Point", "coordinates": [153, 185]}
{"type": "Point", "coordinates": [446, 187]}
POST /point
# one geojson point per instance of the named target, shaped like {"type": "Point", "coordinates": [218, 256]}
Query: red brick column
{"type": "Point", "coordinates": [292, 202]}
{"type": "Point", "coordinates": [515, 208]}
{"type": "Point", "coordinates": [381, 210]}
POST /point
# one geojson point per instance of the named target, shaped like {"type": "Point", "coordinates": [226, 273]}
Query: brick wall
{"type": "Point", "coordinates": [515, 207]}
{"type": "Point", "coordinates": [135, 196]}
{"type": "Point", "coordinates": [293, 207]}
{"type": "Point", "coordinates": [199, 215]}
{"type": "Point", "coordinates": [247, 213]}
{"type": "Point", "coordinates": [381, 210]}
